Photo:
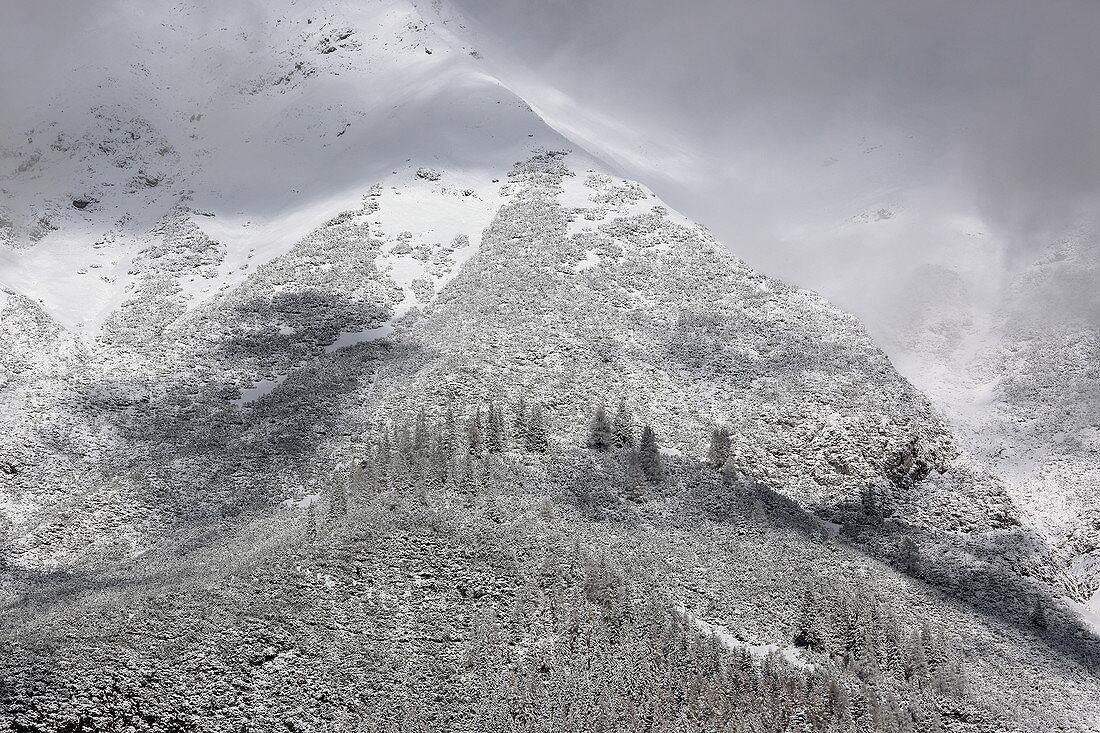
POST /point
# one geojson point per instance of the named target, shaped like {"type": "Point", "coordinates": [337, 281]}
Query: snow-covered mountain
{"type": "Point", "coordinates": [286, 296]}
{"type": "Point", "coordinates": [1019, 384]}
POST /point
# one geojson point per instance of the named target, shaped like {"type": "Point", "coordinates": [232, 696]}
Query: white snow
{"type": "Point", "coordinates": [358, 337]}
{"type": "Point", "coordinates": [591, 259]}
{"type": "Point", "coordinates": [403, 270]}
{"type": "Point", "coordinates": [1089, 611]}
{"type": "Point", "coordinates": [831, 528]}
{"type": "Point", "coordinates": [16, 509]}
{"type": "Point", "coordinates": [304, 503]}
{"type": "Point", "coordinates": [261, 388]}
{"type": "Point", "coordinates": [251, 241]}
{"type": "Point", "coordinates": [77, 285]}
{"type": "Point", "coordinates": [985, 393]}
{"type": "Point", "coordinates": [728, 640]}
{"type": "Point", "coordinates": [260, 159]}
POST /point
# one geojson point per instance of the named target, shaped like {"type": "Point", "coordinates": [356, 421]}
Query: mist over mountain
{"type": "Point", "coordinates": [363, 367]}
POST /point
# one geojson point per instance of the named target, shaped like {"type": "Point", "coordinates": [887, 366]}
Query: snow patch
{"type": "Point", "coordinates": [831, 528]}
{"type": "Point", "coordinates": [250, 243]}
{"type": "Point", "coordinates": [261, 388]}
{"type": "Point", "coordinates": [304, 503]}
{"type": "Point", "coordinates": [728, 640]}
{"type": "Point", "coordinates": [984, 394]}
{"type": "Point", "coordinates": [351, 338]}
{"type": "Point", "coordinates": [591, 259]}
{"type": "Point", "coordinates": [1089, 611]}
{"type": "Point", "coordinates": [16, 509]}
{"type": "Point", "coordinates": [401, 269]}
{"type": "Point", "coordinates": [77, 285]}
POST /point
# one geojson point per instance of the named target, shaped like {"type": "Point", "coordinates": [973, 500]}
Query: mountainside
{"type": "Point", "coordinates": [1020, 385]}
{"type": "Point", "coordinates": [1048, 421]}
{"type": "Point", "coordinates": [299, 385]}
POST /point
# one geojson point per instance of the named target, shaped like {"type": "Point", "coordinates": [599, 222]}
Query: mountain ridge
{"type": "Point", "coordinates": [247, 431]}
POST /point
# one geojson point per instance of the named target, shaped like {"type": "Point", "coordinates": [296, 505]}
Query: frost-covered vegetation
{"type": "Point", "coordinates": [658, 491]}
{"type": "Point", "coordinates": [1023, 390]}
{"type": "Point", "coordinates": [481, 447]}
{"type": "Point", "coordinates": [459, 576]}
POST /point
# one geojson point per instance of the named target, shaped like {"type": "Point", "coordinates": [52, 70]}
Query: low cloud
{"type": "Point", "coordinates": [973, 125]}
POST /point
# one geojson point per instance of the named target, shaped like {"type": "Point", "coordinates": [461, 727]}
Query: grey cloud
{"type": "Point", "coordinates": [974, 125]}
{"type": "Point", "coordinates": [1011, 85]}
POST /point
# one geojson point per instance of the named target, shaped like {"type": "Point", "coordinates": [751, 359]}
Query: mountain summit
{"type": "Point", "coordinates": [342, 393]}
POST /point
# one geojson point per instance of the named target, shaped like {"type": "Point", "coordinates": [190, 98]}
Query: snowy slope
{"type": "Point", "coordinates": [1020, 386]}
{"type": "Point", "coordinates": [214, 304]}
{"type": "Point", "coordinates": [360, 137]}
{"type": "Point", "coordinates": [225, 250]}
{"type": "Point", "coordinates": [257, 156]}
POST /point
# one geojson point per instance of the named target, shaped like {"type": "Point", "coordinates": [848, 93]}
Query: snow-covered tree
{"type": "Point", "coordinates": [474, 438]}
{"type": "Point", "coordinates": [519, 420]}
{"type": "Point", "coordinates": [494, 439]}
{"type": "Point", "coordinates": [623, 427]}
{"type": "Point", "coordinates": [719, 449]}
{"type": "Point", "coordinates": [732, 471]}
{"type": "Point", "coordinates": [449, 431]}
{"type": "Point", "coordinates": [536, 441]}
{"type": "Point", "coordinates": [649, 455]}
{"type": "Point", "coordinates": [420, 435]}
{"type": "Point", "coordinates": [311, 521]}
{"type": "Point", "coordinates": [338, 498]}
{"type": "Point", "coordinates": [634, 479]}
{"type": "Point", "coordinates": [600, 435]}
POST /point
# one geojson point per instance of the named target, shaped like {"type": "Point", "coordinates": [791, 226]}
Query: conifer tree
{"type": "Point", "coordinates": [449, 431]}
{"type": "Point", "coordinates": [536, 440]}
{"type": "Point", "coordinates": [623, 427]}
{"type": "Point", "coordinates": [1038, 615]}
{"type": "Point", "coordinates": [600, 435]}
{"type": "Point", "coordinates": [338, 501]}
{"type": "Point", "coordinates": [360, 478]}
{"type": "Point", "coordinates": [809, 632]}
{"type": "Point", "coordinates": [731, 469]}
{"type": "Point", "coordinates": [397, 472]}
{"type": "Point", "coordinates": [420, 436]}
{"type": "Point", "coordinates": [519, 421]}
{"type": "Point", "coordinates": [546, 508]}
{"type": "Point", "coordinates": [649, 456]}
{"type": "Point", "coordinates": [873, 503]}
{"type": "Point", "coordinates": [503, 426]}
{"type": "Point", "coordinates": [435, 465]}
{"type": "Point", "coordinates": [404, 442]}
{"type": "Point", "coordinates": [474, 439]}
{"type": "Point", "coordinates": [634, 479]}
{"type": "Point", "coordinates": [917, 670]}
{"type": "Point", "coordinates": [719, 449]}
{"type": "Point", "coordinates": [311, 521]}
{"type": "Point", "coordinates": [495, 433]}
{"type": "Point", "coordinates": [383, 452]}
{"type": "Point", "coordinates": [908, 556]}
